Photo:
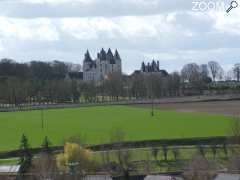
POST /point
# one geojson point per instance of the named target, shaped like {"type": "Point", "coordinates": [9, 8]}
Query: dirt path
{"type": "Point", "coordinates": [229, 108]}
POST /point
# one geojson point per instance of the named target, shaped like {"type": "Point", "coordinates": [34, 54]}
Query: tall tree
{"type": "Point", "coordinates": [75, 91]}
{"type": "Point", "coordinates": [114, 85]}
{"type": "Point", "coordinates": [25, 155]}
{"type": "Point", "coordinates": [46, 145]}
{"type": "Point", "coordinates": [215, 69]}
{"type": "Point", "coordinates": [191, 72]}
{"type": "Point", "coordinates": [236, 70]}
{"type": "Point", "coordinates": [199, 168]}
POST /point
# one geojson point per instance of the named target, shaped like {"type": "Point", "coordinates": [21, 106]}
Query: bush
{"type": "Point", "coordinates": [75, 155]}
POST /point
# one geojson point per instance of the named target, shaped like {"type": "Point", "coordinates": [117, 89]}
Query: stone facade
{"type": "Point", "coordinates": [98, 69]}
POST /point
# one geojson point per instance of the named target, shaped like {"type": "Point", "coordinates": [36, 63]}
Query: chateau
{"type": "Point", "coordinates": [105, 63]}
{"type": "Point", "coordinates": [150, 68]}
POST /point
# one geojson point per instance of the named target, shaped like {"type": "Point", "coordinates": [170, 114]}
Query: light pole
{"type": "Point", "coordinates": [42, 118]}
{"type": "Point", "coordinates": [152, 109]}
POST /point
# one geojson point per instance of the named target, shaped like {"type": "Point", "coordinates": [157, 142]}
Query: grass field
{"type": "Point", "coordinates": [96, 123]}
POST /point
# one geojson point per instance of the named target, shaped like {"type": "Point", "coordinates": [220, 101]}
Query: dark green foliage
{"type": "Point", "coordinates": [165, 152]}
{"type": "Point", "coordinates": [201, 150]}
{"type": "Point", "coordinates": [155, 153]}
{"type": "Point", "coordinates": [46, 145]}
{"type": "Point", "coordinates": [25, 160]}
{"type": "Point", "coordinates": [214, 150]}
{"type": "Point", "coordinates": [225, 150]}
{"type": "Point", "coordinates": [176, 153]}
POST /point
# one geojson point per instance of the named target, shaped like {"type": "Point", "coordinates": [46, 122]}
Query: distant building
{"type": "Point", "coordinates": [151, 67]}
{"type": "Point", "coordinates": [105, 63]}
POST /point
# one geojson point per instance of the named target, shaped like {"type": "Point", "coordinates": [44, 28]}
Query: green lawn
{"type": "Point", "coordinates": [96, 123]}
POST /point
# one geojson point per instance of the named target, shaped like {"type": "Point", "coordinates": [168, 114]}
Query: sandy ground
{"type": "Point", "coordinates": [229, 108]}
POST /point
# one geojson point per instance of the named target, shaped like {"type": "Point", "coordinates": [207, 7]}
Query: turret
{"type": "Point", "coordinates": [158, 66]}
{"type": "Point", "coordinates": [110, 57]}
{"type": "Point", "coordinates": [143, 68]}
{"type": "Point", "coordinates": [148, 67]}
{"type": "Point", "coordinates": [153, 66]}
{"type": "Point", "coordinates": [116, 55]}
{"type": "Point", "coordinates": [102, 55]}
{"type": "Point", "coordinates": [87, 57]}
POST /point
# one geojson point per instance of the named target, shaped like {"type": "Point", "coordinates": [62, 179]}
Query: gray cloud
{"type": "Point", "coordinates": [106, 8]}
{"type": "Point", "coordinates": [141, 30]}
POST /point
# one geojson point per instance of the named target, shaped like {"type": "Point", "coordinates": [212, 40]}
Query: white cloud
{"type": "Point", "coordinates": [122, 27]}
{"type": "Point", "coordinates": [88, 28]}
{"type": "Point", "coordinates": [227, 23]}
{"type": "Point", "coordinates": [198, 56]}
{"type": "Point", "coordinates": [40, 29]}
{"type": "Point", "coordinates": [1, 46]}
{"type": "Point", "coordinates": [165, 30]}
{"type": "Point", "coordinates": [174, 60]}
{"type": "Point", "coordinates": [55, 2]}
{"type": "Point", "coordinates": [149, 3]}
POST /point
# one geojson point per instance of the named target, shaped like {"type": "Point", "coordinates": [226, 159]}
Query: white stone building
{"type": "Point", "coordinates": [98, 69]}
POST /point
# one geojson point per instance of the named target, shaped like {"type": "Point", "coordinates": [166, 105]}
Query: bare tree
{"type": "Point", "coordinates": [176, 153]}
{"type": "Point", "coordinates": [214, 150]}
{"type": "Point", "coordinates": [229, 75]}
{"type": "Point", "coordinates": [204, 70]}
{"type": "Point", "coordinates": [114, 85]}
{"type": "Point", "coordinates": [165, 152]}
{"type": "Point", "coordinates": [106, 160]}
{"type": "Point", "coordinates": [215, 70]}
{"type": "Point", "coordinates": [199, 168]}
{"type": "Point", "coordinates": [147, 164]}
{"type": "Point", "coordinates": [138, 86]}
{"type": "Point", "coordinates": [225, 149]}
{"type": "Point", "coordinates": [123, 156]}
{"type": "Point", "coordinates": [45, 168]}
{"type": "Point", "coordinates": [190, 72]}
{"type": "Point", "coordinates": [201, 150]}
{"type": "Point", "coordinates": [125, 164]}
{"type": "Point", "coordinates": [154, 152]}
{"type": "Point", "coordinates": [236, 71]}
{"type": "Point", "coordinates": [174, 83]}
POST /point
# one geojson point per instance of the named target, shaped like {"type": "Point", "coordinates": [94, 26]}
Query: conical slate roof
{"type": "Point", "coordinates": [116, 55]}
{"type": "Point", "coordinates": [87, 57]}
{"type": "Point", "coordinates": [102, 55]}
{"type": "Point", "coordinates": [109, 53]}
{"type": "Point", "coordinates": [110, 57]}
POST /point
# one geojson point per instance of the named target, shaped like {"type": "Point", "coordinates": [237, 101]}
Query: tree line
{"type": "Point", "coordinates": [54, 82]}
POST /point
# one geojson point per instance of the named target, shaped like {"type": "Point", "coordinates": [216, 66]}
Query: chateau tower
{"type": "Point", "coordinates": [105, 63]}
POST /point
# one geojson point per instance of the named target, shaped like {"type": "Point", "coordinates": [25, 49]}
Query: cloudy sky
{"type": "Point", "coordinates": [174, 32]}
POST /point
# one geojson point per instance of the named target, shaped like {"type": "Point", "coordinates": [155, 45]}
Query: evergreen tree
{"type": "Point", "coordinates": [175, 153]}
{"type": "Point", "coordinates": [45, 145]}
{"type": "Point", "coordinates": [165, 152]}
{"type": "Point", "coordinates": [25, 160]}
